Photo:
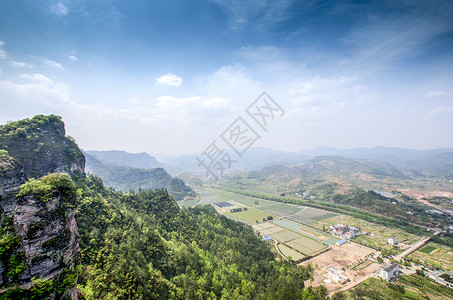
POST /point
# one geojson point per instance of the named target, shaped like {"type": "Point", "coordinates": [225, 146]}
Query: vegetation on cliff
{"type": "Point", "coordinates": [41, 146]}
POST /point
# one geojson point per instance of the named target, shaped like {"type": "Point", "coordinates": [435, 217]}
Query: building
{"type": "Point", "coordinates": [336, 275]}
{"type": "Point", "coordinates": [341, 242]}
{"type": "Point", "coordinates": [392, 241]}
{"type": "Point", "coordinates": [345, 231]}
{"type": "Point", "coordinates": [443, 277]}
{"type": "Point", "coordinates": [388, 271]}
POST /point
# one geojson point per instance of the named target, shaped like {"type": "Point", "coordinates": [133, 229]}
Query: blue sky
{"type": "Point", "coordinates": [170, 76]}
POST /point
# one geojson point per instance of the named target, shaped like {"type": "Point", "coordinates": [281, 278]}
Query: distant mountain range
{"type": "Point", "coordinates": [436, 161]}
{"type": "Point", "coordinates": [118, 169]}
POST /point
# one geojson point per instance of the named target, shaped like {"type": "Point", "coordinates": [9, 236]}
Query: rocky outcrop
{"type": "Point", "coordinates": [40, 144]}
{"type": "Point", "coordinates": [37, 216]}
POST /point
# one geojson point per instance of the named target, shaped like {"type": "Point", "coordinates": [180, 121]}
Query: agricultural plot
{"type": "Point", "coordinates": [308, 232]}
{"type": "Point", "coordinates": [282, 209]}
{"type": "Point", "coordinates": [377, 239]}
{"type": "Point", "coordinates": [436, 255]}
{"type": "Point", "coordinates": [288, 252]}
{"type": "Point", "coordinates": [295, 240]}
{"type": "Point", "coordinates": [310, 215]}
{"type": "Point", "coordinates": [250, 216]}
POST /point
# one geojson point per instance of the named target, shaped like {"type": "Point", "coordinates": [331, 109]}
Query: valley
{"type": "Point", "coordinates": [299, 233]}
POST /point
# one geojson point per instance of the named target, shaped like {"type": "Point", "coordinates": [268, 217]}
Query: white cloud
{"type": "Point", "coordinates": [19, 64]}
{"type": "Point", "coordinates": [216, 102]}
{"type": "Point", "coordinates": [60, 9]}
{"type": "Point", "coordinates": [1, 71]}
{"type": "Point", "coordinates": [73, 58]}
{"type": "Point", "coordinates": [53, 64]}
{"type": "Point", "coordinates": [439, 110]}
{"type": "Point", "coordinates": [174, 102]}
{"type": "Point", "coordinates": [3, 53]}
{"type": "Point", "coordinates": [38, 78]}
{"type": "Point", "coordinates": [433, 94]}
{"type": "Point", "coordinates": [169, 80]}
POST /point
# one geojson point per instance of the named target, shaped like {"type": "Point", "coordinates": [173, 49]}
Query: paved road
{"type": "Point", "coordinates": [414, 247]}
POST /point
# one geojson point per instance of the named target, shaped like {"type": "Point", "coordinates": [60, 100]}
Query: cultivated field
{"type": "Point", "coordinates": [290, 239]}
{"type": "Point", "coordinates": [250, 216]}
{"type": "Point", "coordinates": [436, 255]}
{"type": "Point", "coordinates": [378, 236]}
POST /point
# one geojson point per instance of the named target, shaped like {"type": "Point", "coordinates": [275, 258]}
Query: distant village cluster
{"type": "Point", "coordinates": [345, 231]}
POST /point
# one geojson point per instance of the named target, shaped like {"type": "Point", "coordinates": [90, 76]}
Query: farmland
{"type": "Point", "coordinates": [436, 255]}
{"type": "Point", "coordinates": [377, 239]}
{"type": "Point", "coordinates": [295, 240]}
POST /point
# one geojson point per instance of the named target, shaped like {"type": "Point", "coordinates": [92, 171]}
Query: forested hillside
{"type": "Point", "coordinates": [127, 178]}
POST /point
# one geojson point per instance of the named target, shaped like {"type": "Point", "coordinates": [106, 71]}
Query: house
{"type": "Point", "coordinates": [388, 271]}
{"type": "Point", "coordinates": [392, 241]}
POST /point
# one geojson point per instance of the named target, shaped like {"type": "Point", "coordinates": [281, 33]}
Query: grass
{"type": "Point", "coordinates": [250, 215]}
{"type": "Point", "coordinates": [427, 249]}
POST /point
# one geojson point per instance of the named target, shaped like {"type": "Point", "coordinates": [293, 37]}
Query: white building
{"type": "Point", "coordinates": [389, 271]}
{"type": "Point", "coordinates": [392, 241]}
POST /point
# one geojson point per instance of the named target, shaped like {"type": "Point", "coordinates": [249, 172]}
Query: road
{"type": "Point", "coordinates": [414, 247]}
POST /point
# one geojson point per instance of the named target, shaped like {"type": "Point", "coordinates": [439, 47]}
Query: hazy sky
{"type": "Point", "coordinates": [171, 76]}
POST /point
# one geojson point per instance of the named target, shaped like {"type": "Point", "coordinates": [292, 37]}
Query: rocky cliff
{"type": "Point", "coordinates": [39, 242]}
{"type": "Point", "coordinates": [41, 146]}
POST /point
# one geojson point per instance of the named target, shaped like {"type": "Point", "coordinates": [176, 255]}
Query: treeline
{"type": "Point", "coordinates": [141, 245]}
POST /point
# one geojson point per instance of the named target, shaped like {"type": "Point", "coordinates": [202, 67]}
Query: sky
{"type": "Point", "coordinates": [171, 76]}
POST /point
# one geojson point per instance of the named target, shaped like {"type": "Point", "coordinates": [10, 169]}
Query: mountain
{"type": "Point", "coordinates": [432, 160]}
{"type": "Point", "coordinates": [44, 136]}
{"type": "Point", "coordinates": [39, 248]}
{"type": "Point", "coordinates": [252, 159]}
{"type": "Point", "coordinates": [323, 176]}
{"type": "Point", "coordinates": [124, 159]}
{"type": "Point", "coordinates": [436, 161]}
{"type": "Point", "coordinates": [126, 178]}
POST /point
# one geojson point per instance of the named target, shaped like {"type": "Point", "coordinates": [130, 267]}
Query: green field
{"type": "Point", "coordinates": [310, 215]}
{"type": "Point", "coordinates": [305, 244]}
{"type": "Point", "coordinates": [427, 249]}
{"type": "Point", "coordinates": [442, 258]}
{"type": "Point", "coordinates": [211, 195]}
{"type": "Point", "coordinates": [282, 209]}
{"type": "Point", "coordinates": [288, 252]}
{"type": "Point", "coordinates": [250, 216]}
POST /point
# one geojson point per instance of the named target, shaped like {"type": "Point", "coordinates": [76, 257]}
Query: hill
{"type": "Point", "coordinates": [124, 159]}
{"type": "Point", "coordinates": [127, 178]}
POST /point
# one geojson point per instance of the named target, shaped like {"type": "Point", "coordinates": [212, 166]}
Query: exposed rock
{"type": "Point", "coordinates": [42, 216]}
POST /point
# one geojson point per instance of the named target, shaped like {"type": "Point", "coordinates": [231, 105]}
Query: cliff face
{"type": "Point", "coordinates": [41, 146]}
{"type": "Point", "coordinates": [39, 242]}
